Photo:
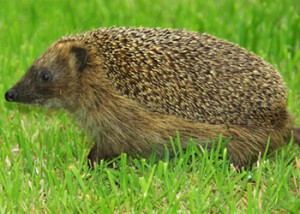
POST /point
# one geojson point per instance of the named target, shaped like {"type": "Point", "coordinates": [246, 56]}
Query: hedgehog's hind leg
{"type": "Point", "coordinates": [296, 131]}
{"type": "Point", "coordinates": [250, 142]}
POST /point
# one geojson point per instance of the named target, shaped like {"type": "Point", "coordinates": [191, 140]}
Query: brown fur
{"type": "Point", "coordinates": [133, 88]}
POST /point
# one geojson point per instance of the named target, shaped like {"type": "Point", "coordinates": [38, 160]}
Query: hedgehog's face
{"type": "Point", "coordinates": [52, 78]}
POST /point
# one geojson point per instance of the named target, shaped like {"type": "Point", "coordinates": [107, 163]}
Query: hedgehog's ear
{"type": "Point", "coordinates": [80, 56]}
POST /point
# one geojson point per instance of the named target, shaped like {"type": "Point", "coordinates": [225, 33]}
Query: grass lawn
{"type": "Point", "coordinates": [42, 152]}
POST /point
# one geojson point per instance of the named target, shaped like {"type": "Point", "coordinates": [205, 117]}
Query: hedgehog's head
{"type": "Point", "coordinates": [52, 77]}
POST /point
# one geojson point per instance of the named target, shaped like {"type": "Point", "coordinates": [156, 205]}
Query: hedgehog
{"type": "Point", "coordinates": [135, 88]}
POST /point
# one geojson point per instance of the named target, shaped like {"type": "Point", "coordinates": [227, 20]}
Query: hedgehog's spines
{"type": "Point", "coordinates": [150, 66]}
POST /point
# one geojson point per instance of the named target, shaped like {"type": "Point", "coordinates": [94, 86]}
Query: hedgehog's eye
{"type": "Point", "coordinates": [46, 76]}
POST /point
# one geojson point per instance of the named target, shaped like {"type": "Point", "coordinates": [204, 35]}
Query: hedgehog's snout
{"type": "Point", "coordinates": [11, 95]}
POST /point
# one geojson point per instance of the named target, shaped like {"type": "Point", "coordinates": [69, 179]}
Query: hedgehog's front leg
{"type": "Point", "coordinates": [93, 157]}
{"type": "Point", "coordinates": [99, 152]}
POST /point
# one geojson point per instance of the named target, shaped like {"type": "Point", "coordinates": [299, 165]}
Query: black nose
{"type": "Point", "coordinates": [11, 95]}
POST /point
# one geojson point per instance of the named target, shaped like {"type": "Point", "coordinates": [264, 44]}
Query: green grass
{"type": "Point", "coordinates": [42, 152]}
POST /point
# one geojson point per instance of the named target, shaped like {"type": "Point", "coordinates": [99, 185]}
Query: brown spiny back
{"type": "Point", "coordinates": [190, 75]}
